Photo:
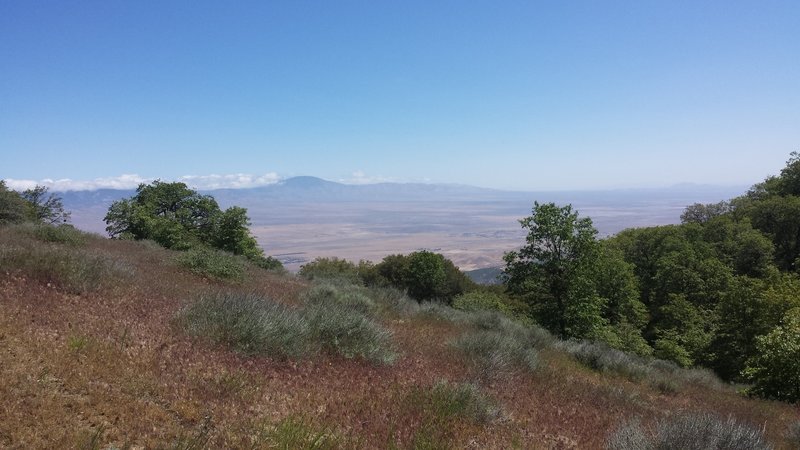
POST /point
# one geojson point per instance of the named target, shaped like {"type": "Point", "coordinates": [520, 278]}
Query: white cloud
{"type": "Point", "coordinates": [231, 181]}
{"type": "Point", "coordinates": [125, 181]}
{"type": "Point", "coordinates": [131, 181]}
{"type": "Point", "coordinates": [359, 177]}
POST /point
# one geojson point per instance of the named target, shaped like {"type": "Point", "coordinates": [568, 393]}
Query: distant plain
{"type": "Point", "coordinates": [299, 221]}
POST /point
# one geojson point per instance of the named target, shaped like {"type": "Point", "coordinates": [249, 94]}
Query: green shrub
{"type": "Point", "coordinates": [77, 271]}
{"type": "Point", "coordinates": [212, 263]}
{"type": "Point", "coordinates": [439, 311]}
{"type": "Point", "coordinates": [689, 432]}
{"type": "Point", "coordinates": [456, 400]}
{"type": "Point", "coordinates": [394, 301]}
{"type": "Point", "coordinates": [266, 262]}
{"type": "Point", "coordinates": [701, 377]}
{"type": "Point", "coordinates": [248, 324]}
{"type": "Point", "coordinates": [482, 301]}
{"type": "Point", "coordinates": [629, 436]}
{"type": "Point", "coordinates": [60, 234]}
{"type": "Point", "coordinates": [492, 354]}
{"type": "Point", "coordinates": [330, 268]}
{"type": "Point", "coordinates": [670, 350]}
{"type": "Point", "coordinates": [372, 301]}
{"type": "Point", "coordinates": [254, 325]}
{"type": "Point", "coordinates": [666, 376]}
{"type": "Point", "coordinates": [149, 244]}
{"type": "Point", "coordinates": [775, 369]}
{"type": "Point", "coordinates": [529, 335]}
{"type": "Point", "coordinates": [343, 330]}
{"type": "Point", "coordinates": [602, 358]}
{"type": "Point", "coordinates": [332, 293]}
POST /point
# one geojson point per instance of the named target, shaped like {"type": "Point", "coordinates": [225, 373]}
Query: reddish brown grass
{"type": "Point", "coordinates": [112, 360]}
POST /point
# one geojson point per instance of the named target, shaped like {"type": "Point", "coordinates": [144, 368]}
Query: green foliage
{"type": "Point", "coordinates": [662, 375]}
{"type": "Point", "coordinates": [789, 180]}
{"type": "Point", "coordinates": [779, 218]}
{"type": "Point", "coordinates": [425, 275]}
{"type": "Point", "coordinates": [528, 335]}
{"type": "Point", "coordinates": [328, 268]}
{"type": "Point", "coordinates": [720, 280]}
{"type": "Point", "coordinates": [445, 401]}
{"type": "Point", "coordinates": [492, 354]}
{"type": "Point", "coordinates": [231, 233]}
{"type": "Point", "coordinates": [775, 368]}
{"type": "Point", "coordinates": [370, 301]}
{"type": "Point", "coordinates": [751, 308]}
{"type": "Point", "coordinates": [212, 263]}
{"type": "Point", "coordinates": [702, 213]}
{"type": "Point", "coordinates": [75, 270]}
{"type": "Point", "coordinates": [61, 234]}
{"type": "Point", "coordinates": [547, 270]}
{"type": "Point", "coordinates": [179, 218]}
{"type": "Point", "coordinates": [335, 292]}
{"type": "Point", "coordinates": [46, 208]}
{"type": "Point", "coordinates": [13, 207]}
{"type": "Point", "coordinates": [689, 431]}
{"type": "Point", "coordinates": [254, 325]}
{"type": "Point", "coordinates": [576, 286]}
{"type": "Point", "coordinates": [345, 331]}
{"type": "Point", "coordinates": [481, 300]}
{"type": "Point", "coordinates": [669, 349]}
{"type": "Point", "coordinates": [248, 323]}
{"type": "Point", "coordinates": [267, 263]}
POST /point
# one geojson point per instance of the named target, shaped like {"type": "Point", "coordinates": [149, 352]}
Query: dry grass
{"type": "Point", "coordinates": [105, 366]}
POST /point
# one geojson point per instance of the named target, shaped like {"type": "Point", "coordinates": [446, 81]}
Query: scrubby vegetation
{"type": "Point", "coordinates": [54, 255]}
{"type": "Point", "coordinates": [113, 343]}
{"type": "Point", "coordinates": [690, 432]}
{"type": "Point", "coordinates": [255, 325]}
{"type": "Point", "coordinates": [212, 263]}
{"type": "Point", "coordinates": [272, 360]}
{"type": "Point", "coordinates": [423, 275]}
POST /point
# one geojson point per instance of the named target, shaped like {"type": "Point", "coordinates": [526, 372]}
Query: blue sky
{"type": "Point", "coordinates": [515, 95]}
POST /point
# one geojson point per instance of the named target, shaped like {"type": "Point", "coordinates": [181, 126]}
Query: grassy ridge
{"type": "Point", "coordinates": [271, 361]}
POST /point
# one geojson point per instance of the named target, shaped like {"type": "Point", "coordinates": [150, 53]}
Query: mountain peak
{"type": "Point", "coordinates": [306, 182]}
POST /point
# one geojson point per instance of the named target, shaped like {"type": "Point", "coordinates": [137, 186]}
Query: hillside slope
{"type": "Point", "coordinates": [93, 354]}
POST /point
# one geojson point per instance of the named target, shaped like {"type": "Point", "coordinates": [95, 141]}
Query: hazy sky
{"type": "Point", "coordinates": [520, 95]}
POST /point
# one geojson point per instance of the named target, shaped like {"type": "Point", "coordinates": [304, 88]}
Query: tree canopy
{"type": "Point", "coordinates": [32, 205]}
{"type": "Point", "coordinates": [179, 218]}
{"type": "Point", "coordinates": [424, 275]}
{"type": "Point", "coordinates": [45, 206]}
{"type": "Point", "coordinates": [575, 285]}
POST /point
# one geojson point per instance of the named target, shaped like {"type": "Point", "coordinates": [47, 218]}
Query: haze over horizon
{"type": "Point", "coordinates": [516, 96]}
{"type": "Point", "coordinates": [248, 181]}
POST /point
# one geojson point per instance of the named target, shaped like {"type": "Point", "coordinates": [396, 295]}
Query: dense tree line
{"type": "Point", "coordinates": [719, 290]}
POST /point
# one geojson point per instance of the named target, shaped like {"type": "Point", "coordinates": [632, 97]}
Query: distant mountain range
{"type": "Point", "coordinates": [307, 188]}
{"type": "Point", "coordinates": [301, 218]}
